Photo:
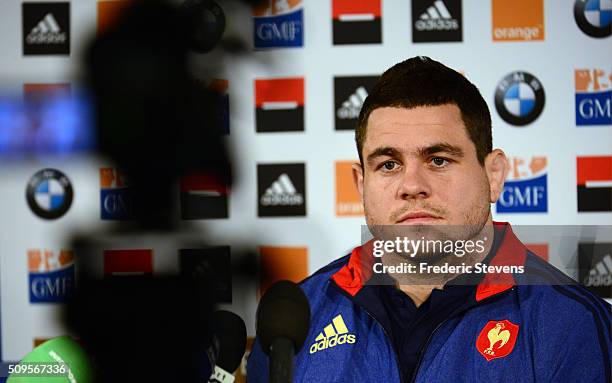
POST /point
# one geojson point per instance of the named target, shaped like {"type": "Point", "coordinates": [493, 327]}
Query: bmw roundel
{"type": "Point", "coordinates": [49, 193]}
{"type": "Point", "coordinates": [594, 17]}
{"type": "Point", "coordinates": [519, 98]}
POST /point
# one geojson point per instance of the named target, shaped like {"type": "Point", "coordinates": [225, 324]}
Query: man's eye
{"type": "Point", "coordinates": [389, 165]}
{"type": "Point", "coordinates": [439, 161]}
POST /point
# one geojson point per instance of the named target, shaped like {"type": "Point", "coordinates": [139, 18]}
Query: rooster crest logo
{"type": "Point", "coordinates": [497, 339]}
{"type": "Point", "coordinates": [495, 335]}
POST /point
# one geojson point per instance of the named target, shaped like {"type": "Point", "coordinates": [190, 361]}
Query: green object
{"type": "Point", "coordinates": [58, 360]}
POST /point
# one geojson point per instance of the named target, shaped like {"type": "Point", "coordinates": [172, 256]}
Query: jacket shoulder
{"type": "Point", "coordinates": [565, 320]}
{"type": "Point", "coordinates": [550, 286]}
{"type": "Point", "coordinates": [324, 274]}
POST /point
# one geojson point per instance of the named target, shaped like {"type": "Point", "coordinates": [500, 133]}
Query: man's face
{"type": "Point", "coordinates": [420, 168]}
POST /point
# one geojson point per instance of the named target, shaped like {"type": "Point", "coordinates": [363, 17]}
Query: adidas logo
{"type": "Point", "coordinates": [438, 18]}
{"type": "Point", "coordinates": [351, 107]}
{"type": "Point", "coordinates": [601, 273]}
{"type": "Point", "coordinates": [47, 31]}
{"type": "Point", "coordinates": [334, 334]}
{"type": "Point", "coordinates": [282, 192]}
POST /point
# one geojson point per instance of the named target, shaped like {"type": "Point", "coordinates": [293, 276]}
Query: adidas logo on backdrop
{"type": "Point", "coordinates": [351, 107]}
{"type": "Point", "coordinates": [601, 273]}
{"type": "Point", "coordinates": [47, 31]}
{"type": "Point", "coordinates": [595, 267]}
{"type": "Point", "coordinates": [437, 17]}
{"type": "Point", "coordinates": [334, 334]}
{"type": "Point", "coordinates": [282, 192]}
{"type": "Point", "coordinates": [350, 92]}
{"type": "Point", "coordinates": [436, 21]}
{"type": "Point", "coordinates": [45, 28]}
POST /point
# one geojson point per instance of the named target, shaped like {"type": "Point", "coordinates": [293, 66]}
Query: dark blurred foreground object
{"type": "Point", "coordinates": [156, 124]}
{"type": "Point", "coordinates": [283, 321]}
{"type": "Point", "coordinates": [145, 329]}
{"type": "Point", "coordinates": [152, 119]}
{"type": "Point", "coordinates": [230, 332]}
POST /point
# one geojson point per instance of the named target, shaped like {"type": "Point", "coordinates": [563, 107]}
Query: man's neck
{"type": "Point", "coordinates": [419, 293]}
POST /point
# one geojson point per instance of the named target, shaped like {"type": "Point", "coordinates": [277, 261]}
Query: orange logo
{"type": "Point", "coordinates": [518, 167]}
{"type": "Point", "coordinates": [274, 7]}
{"type": "Point", "coordinates": [497, 339]}
{"type": "Point", "coordinates": [112, 178]}
{"type": "Point", "coordinates": [278, 263]}
{"type": "Point", "coordinates": [592, 80]}
{"type": "Point", "coordinates": [46, 260]}
{"type": "Point", "coordinates": [518, 20]}
{"type": "Point", "coordinates": [348, 201]}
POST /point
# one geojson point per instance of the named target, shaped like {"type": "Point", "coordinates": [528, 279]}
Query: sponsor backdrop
{"type": "Point", "coordinates": [543, 66]}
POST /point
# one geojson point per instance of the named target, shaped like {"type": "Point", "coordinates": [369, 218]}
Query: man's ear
{"type": "Point", "coordinates": [358, 178]}
{"type": "Point", "coordinates": [496, 166]}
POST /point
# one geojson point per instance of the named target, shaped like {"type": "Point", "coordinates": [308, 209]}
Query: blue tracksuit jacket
{"type": "Point", "coordinates": [534, 327]}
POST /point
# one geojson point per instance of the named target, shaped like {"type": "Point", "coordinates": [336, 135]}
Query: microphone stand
{"type": "Point", "coordinates": [281, 361]}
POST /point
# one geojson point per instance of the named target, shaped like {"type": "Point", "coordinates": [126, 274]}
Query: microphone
{"type": "Point", "coordinates": [230, 333]}
{"type": "Point", "coordinates": [206, 22]}
{"type": "Point", "coordinates": [60, 356]}
{"type": "Point", "coordinates": [283, 321]}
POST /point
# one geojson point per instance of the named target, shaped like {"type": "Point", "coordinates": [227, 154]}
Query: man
{"type": "Point", "coordinates": [428, 170]}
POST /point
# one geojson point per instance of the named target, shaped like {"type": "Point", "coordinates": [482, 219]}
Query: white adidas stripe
{"type": "Point", "coordinates": [603, 267]}
{"type": "Point", "coordinates": [46, 25]}
{"type": "Point", "coordinates": [357, 98]}
{"type": "Point", "coordinates": [52, 23]}
{"type": "Point", "coordinates": [441, 7]}
{"type": "Point", "coordinates": [282, 185]}
{"type": "Point", "coordinates": [285, 181]}
{"type": "Point", "coordinates": [437, 11]}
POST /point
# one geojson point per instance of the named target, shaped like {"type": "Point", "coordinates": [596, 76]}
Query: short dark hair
{"type": "Point", "coordinates": [421, 81]}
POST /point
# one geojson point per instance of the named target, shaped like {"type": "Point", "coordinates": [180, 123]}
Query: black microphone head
{"type": "Point", "coordinates": [230, 331]}
{"type": "Point", "coordinates": [207, 24]}
{"type": "Point", "coordinates": [283, 312]}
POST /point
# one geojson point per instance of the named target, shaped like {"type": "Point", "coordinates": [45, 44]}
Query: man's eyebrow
{"type": "Point", "coordinates": [383, 151]}
{"type": "Point", "coordinates": [441, 147]}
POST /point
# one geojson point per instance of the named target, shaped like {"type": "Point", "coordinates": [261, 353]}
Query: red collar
{"type": "Point", "coordinates": [354, 275]}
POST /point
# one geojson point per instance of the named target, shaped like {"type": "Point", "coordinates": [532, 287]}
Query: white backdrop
{"type": "Point", "coordinates": [553, 135]}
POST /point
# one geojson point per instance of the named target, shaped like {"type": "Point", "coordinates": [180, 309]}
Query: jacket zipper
{"type": "Point", "coordinates": [397, 362]}
{"type": "Point", "coordinates": [422, 353]}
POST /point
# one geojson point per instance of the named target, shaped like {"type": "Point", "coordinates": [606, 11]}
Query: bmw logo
{"type": "Point", "coordinates": [594, 17]}
{"type": "Point", "coordinates": [519, 98]}
{"type": "Point", "coordinates": [49, 193]}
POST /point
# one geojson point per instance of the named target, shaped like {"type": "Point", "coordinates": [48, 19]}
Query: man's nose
{"type": "Point", "coordinates": [414, 183]}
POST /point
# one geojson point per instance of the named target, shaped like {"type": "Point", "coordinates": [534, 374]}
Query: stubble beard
{"type": "Point", "coordinates": [474, 220]}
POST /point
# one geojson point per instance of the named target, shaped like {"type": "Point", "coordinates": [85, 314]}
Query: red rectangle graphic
{"type": "Point", "coordinates": [279, 90]}
{"type": "Point", "coordinates": [356, 7]}
{"type": "Point", "coordinates": [593, 169]}
{"type": "Point", "coordinates": [136, 261]}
